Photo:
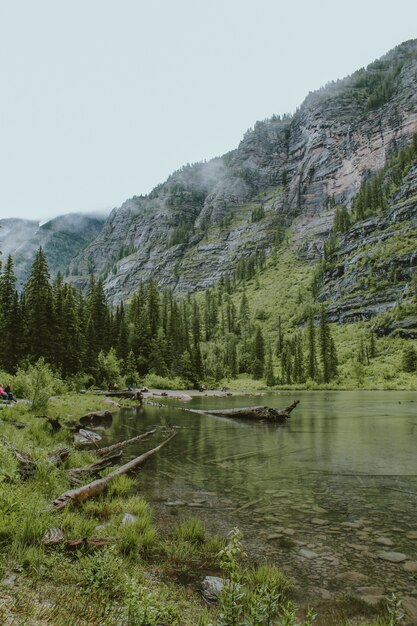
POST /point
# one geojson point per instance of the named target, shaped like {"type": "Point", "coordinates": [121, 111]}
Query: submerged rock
{"type": "Point", "coordinates": [393, 557]}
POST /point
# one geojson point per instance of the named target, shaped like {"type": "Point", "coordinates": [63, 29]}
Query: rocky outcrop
{"type": "Point", "coordinates": [193, 228]}
{"type": "Point", "coordinates": [375, 264]}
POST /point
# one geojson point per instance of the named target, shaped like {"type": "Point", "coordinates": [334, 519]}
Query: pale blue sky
{"type": "Point", "coordinates": [103, 99]}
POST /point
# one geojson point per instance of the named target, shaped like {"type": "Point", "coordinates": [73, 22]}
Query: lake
{"type": "Point", "coordinates": [331, 496]}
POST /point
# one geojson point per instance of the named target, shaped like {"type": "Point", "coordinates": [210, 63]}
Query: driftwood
{"type": "Point", "coordinates": [55, 537]}
{"type": "Point", "coordinates": [261, 413]}
{"type": "Point", "coordinates": [76, 472]}
{"type": "Point", "coordinates": [123, 444]}
{"type": "Point", "coordinates": [97, 487]}
{"type": "Point", "coordinates": [96, 418]}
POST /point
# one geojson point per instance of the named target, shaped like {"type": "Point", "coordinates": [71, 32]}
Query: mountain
{"type": "Point", "coordinates": [61, 239]}
{"type": "Point", "coordinates": [288, 172]}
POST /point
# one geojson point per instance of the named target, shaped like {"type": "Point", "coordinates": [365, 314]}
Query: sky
{"type": "Point", "coordinates": [103, 99]}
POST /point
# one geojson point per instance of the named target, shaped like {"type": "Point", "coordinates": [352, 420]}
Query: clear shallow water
{"type": "Point", "coordinates": [339, 480]}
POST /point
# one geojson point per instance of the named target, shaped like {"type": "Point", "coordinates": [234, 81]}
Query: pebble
{"type": "Point", "coordinates": [352, 577]}
{"type": "Point", "coordinates": [393, 557]}
{"type": "Point", "coordinates": [412, 534]}
{"type": "Point", "coordinates": [320, 522]}
{"type": "Point", "coordinates": [308, 554]}
{"type": "Point", "coordinates": [357, 546]}
{"type": "Point", "coordinates": [410, 566]}
{"type": "Point", "coordinates": [384, 541]}
{"type": "Point", "coordinates": [175, 503]}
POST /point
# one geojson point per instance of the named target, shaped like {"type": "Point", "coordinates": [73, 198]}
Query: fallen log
{"type": "Point", "coordinates": [96, 418]}
{"type": "Point", "coordinates": [260, 413]}
{"type": "Point", "coordinates": [97, 487]}
{"type": "Point", "coordinates": [123, 444]}
{"type": "Point", "coordinates": [54, 537]}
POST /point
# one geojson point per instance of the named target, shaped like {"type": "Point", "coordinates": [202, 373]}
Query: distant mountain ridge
{"type": "Point", "coordinates": [286, 172]}
{"type": "Point", "coordinates": [61, 239]}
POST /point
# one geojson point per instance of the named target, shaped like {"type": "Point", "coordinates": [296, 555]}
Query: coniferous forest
{"type": "Point", "coordinates": [208, 337]}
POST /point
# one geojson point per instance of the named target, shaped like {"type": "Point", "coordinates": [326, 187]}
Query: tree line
{"type": "Point", "coordinates": [204, 337]}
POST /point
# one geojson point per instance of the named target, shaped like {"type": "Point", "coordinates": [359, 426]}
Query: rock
{"type": "Point", "coordinates": [373, 600]}
{"type": "Point", "coordinates": [410, 566]}
{"type": "Point", "coordinates": [320, 522]}
{"type": "Point", "coordinates": [384, 541]}
{"type": "Point", "coordinates": [111, 402]}
{"type": "Point", "coordinates": [211, 588]}
{"type": "Point", "coordinates": [128, 518]}
{"type": "Point", "coordinates": [354, 525]}
{"type": "Point", "coordinates": [393, 557]}
{"type": "Point", "coordinates": [86, 437]}
{"type": "Point", "coordinates": [175, 503]}
{"type": "Point", "coordinates": [96, 418]}
{"type": "Point", "coordinates": [308, 554]}
{"type": "Point", "coordinates": [352, 577]}
{"type": "Point", "coordinates": [412, 534]}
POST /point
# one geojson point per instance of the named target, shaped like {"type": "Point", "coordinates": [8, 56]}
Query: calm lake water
{"type": "Point", "coordinates": [326, 496]}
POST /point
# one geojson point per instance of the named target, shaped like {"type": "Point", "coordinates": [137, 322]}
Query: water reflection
{"type": "Point", "coordinates": [340, 473]}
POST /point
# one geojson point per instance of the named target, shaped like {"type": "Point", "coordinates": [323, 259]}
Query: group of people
{"type": "Point", "coordinates": [6, 393]}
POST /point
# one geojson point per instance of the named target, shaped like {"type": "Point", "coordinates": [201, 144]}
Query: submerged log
{"type": "Point", "coordinates": [123, 444]}
{"type": "Point", "coordinates": [97, 487]}
{"type": "Point", "coordinates": [260, 413]}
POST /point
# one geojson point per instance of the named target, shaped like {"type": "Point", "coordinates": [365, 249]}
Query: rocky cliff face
{"type": "Point", "coordinates": [193, 228]}
{"type": "Point", "coordinates": [61, 239]}
{"type": "Point", "coordinates": [375, 264]}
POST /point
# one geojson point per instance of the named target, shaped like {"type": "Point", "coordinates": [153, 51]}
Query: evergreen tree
{"type": "Point", "coordinates": [258, 354]}
{"type": "Point", "coordinates": [327, 348]}
{"type": "Point", "coordinates": [312, 370]}
{"type": "Point", "coordinates": [10, 321]}
{"type": "Point", "coordinates": [72, 337]}
{"type": "Point", "coordinates": [409, 359]}
{"type": "Point", "coordinates": [269, 370]}
{"type": "Point", "coordinates": [39, 318]}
